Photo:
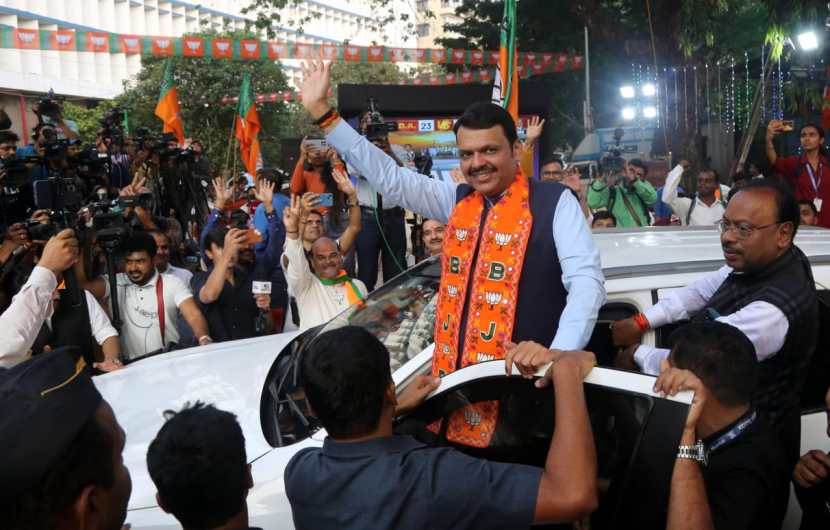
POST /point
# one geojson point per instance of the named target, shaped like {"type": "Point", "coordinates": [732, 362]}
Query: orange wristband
{"type": "Point", "coordinates": [641, 321]}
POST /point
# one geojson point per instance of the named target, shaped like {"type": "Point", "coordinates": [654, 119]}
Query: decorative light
{"type": "Point", "coordinates": [629, 113]}
{"type": "Point", "coordinates": [649, 90]}
{"type": "Point", "coordinates": [808, 41]}
{"type": "Point", "coordinates": [627, 91]}
{"type": "Point", "coordinates": [650, 112]}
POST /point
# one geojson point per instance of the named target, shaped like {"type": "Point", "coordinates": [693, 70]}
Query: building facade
{"type": "Point", "coordinates": [26, 74]}
{"type": "Point", "coordinates": [432, 15]}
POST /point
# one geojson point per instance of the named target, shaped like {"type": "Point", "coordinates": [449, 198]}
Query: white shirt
{"type": "Point", "coordinates": [141, 332]}
{"type": "Point", "coordinates": [317, 303]}
{"type": "Point", "coordinates": [183, 274]}
{"type": "Point", "coordinates": [20, 323]}
{"type": "Point", "coordinates": [702, 214]}
{"type": "Point", "coordinates": [764, 324]}
{"type": "Point", "coordinates": [435, 199]}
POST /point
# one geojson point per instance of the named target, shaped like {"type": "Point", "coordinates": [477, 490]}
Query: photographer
{"type": "Point", "coordinates": [621, 190]}
{"type": "Point", "coordinates": [383, 231]}
{"type": "Point", "coordinates": [40, 318]}
{"type": "Point", "coordinates": [15, 185]}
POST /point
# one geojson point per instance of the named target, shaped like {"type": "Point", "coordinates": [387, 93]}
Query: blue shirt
{"type": "Point", "coordinates": [398, 483]}
{"type": "Point", "coordinates": [662, 209]}
{"type": "Point", "coordinates": [38, 171]}
{"type": "Point", "coordinates": [280, 203]}
{"type": "Point", "coordinates": [435, 199]}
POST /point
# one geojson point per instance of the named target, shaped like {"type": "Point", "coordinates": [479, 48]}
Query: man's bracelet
{"type": "Point", "coordinates": [205, 338]}
{"type": "Point", "coordinates": [293, 233]}
{"type": "Point", "coordinates": [328, 118]}
{"type": "Point", "coordinates": [641, 321]}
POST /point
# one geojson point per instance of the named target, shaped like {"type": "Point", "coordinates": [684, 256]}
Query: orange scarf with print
{"type": "Point", "coordinates": [492, 289]}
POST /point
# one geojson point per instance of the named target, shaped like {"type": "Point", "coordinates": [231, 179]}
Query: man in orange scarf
{"type": "Point", "coordinates": [521, 277]}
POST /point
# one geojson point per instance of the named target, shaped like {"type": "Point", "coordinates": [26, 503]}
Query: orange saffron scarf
{"type": "Point", "coordinates": [493, 291]}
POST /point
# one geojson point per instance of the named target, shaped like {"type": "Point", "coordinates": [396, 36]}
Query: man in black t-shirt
{"type": "Point", "coordinates": [731, 472]}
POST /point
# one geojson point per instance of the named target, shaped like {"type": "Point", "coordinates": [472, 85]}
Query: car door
{"type": "Point", "coordinates": [635, 431]}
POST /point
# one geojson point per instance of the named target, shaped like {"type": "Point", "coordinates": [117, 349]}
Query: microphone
{"type": "Point", "coordinates": [261, 322]}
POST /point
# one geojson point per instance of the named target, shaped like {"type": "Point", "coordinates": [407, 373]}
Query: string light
{"type": "Point", "coordinates": [708, 107]}
{"type": "Point", "coordinates": [780, 115]}
{"type": "Point", "coordinates": [685, 101]}
{"type": "Point", "coordinates": [697, 116]}
{"type": "Point", "coordinates": [747, 104]}
{"type": "Point", "coordinates": [721, 115]}
{"type": "Point", "coordinates": [731, 102]}
{"type": "Point", "coordinates": [676, 106]}
{"type": "Point", "coordinates": [762, 83]}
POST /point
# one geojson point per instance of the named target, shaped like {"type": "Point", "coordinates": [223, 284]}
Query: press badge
{"type": "Point", "coordinates": [817, 203]}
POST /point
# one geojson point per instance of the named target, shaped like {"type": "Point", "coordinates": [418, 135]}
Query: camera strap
{"type": "Point", "coordinates": [160, 305]}
{"type": "Point", "coordinates": [630, 208]}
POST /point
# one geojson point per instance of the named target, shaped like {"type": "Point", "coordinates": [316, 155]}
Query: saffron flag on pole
{"type": "Point", "coordinates": [506, 83]}
{"type": "Point", "coordinates": [167, 108]}
{"type": "Point", "coordinates": [247, 126]}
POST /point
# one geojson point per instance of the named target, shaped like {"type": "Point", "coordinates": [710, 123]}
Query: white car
{"type": "Point", "coordinates": [636, 431]}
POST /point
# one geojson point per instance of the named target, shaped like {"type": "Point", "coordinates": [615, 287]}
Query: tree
{"type": "Point", "coordinates": [201, 84]}
{"type": "Point", "coordinates": [88, 119]}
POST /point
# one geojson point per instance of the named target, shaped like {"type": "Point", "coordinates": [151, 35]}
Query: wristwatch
{"type": "Point", "coordinates": [695, 452]}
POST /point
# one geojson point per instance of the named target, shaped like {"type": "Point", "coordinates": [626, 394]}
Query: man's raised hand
{"type": "Point", "coordinates": [265, 194]}
{"type": "Point", "coordinates": [222, 194]}
{"type": "Point", "coordinates": [534, 130]}
{"type": "Point", "coordinates": [61, 252]}
{"type": "Point", "coordinates": [291, 217]}
{"type": "Point", "coordinates": [314, 87]}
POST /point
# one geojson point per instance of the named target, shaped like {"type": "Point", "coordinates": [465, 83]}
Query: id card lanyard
{"type": "Point", "coordinates": [816, 182]}
{"type": "Point", "coordinates": [732, 433]}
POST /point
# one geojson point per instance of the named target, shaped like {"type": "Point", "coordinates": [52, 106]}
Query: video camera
{"type": "Point", "coordinates": [112, 125]}
{"type": "Point", "coordinates": [142, 200]}
{"type": "Point", "coordinates": [375, 127]}
{"type": "Point", "coordinates": [50, 105]}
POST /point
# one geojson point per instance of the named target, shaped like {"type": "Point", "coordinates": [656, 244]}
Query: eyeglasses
{"type": "Point", "coordinates": [742, 230]}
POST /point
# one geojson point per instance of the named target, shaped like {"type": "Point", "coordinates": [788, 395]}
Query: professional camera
{"type": "Point", "coordinates": [143, 200]}
{"type": "Point", "coordinates": [17, 174]}
{"type": "Point", "coordinates": [374, 126]}
{"type": "Point", "coordinates": [112, 125]}
{"type": "Point", "coordinates": [49, 105]}
{"type": "Point", "coordinates": [423, 162]}
{"type": "Point", "coordinates": [57, 194]}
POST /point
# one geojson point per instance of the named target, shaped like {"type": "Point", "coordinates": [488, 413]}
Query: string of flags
{"type": "Point", "coordinates": [64, 40]}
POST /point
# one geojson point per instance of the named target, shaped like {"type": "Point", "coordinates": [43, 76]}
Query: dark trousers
{"type": "Point", "coordinates": [370, 244]}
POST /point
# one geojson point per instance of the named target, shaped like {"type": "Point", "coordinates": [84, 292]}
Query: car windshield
{"type": "Point", "coordinates": [401, 313]}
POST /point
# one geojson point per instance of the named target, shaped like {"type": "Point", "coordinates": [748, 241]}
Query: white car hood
{"type": "Point", "coordinates": [229, 375]}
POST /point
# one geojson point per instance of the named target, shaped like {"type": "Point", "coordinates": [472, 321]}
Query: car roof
{"type": "Point", "coordinates": [626, 252]}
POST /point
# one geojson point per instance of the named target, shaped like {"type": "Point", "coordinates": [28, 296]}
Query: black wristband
{"type": "Point", "coordinates": [325, 116]}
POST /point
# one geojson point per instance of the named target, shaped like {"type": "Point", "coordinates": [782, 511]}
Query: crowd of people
{"type": "Point", "coordinates": [100, 269]}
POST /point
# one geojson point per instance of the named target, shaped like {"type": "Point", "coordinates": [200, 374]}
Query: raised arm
{"type": "Point", "coordinates": [298, 274]}
{"type": "Point", "coordinates": [349, 236]}
{"type": "Point", "coordinates": [428, 197]}
{"type": "Point", "coordinates": [773, 129]}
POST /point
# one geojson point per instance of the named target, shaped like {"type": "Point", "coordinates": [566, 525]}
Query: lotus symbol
{"type": "Point", "coordinates": [329, 51]}
{"type": "Point", "coordinates": [223, 46]}
{"type": "Point", "coordinates": [478, 55]}
{"type": "Point", "coordinates": [502, 238]}
{"type": "Point", "coordinates": [375, 51]}
{"type": "Point", "coordinates": [461, 234]}
{"type": "Point", "coordinates": [26, 37]}
{"type": "Point", "coordinates": [466, 76]}
{"type": "Point", "coordinates": [98, 41]}
{"type": "Point", "coordinates": [398, 54]}
{"type": "Point", "coordinates": [276, 48]}
{"type": "Point", "coordinates": [458, 54]}
{"type": "Point", "coordinates": [131, 43]}
{"type": "Point", "coordinates": [438, 54]}
{"type": "Point", "coordinates": [251, 47]}
{"type": "Point", "coordinates": [194, 45]}
{"type": "Point", "coordinates": [531, 57]}
{"type": "Point", "coordinates": [452, 290]}
{"type": "Point", "coordinates": [492, 298]}
{"type": "Point", "coordinates": [64, 39]}
{"type": "Point", "coordinates": [450, 78]}
{"type": "Point", "coordinates": [472, 417]}
{"type": "Point", "coordinates": [419, 53]}
{"type": "Point", "coordinates": [445, 348]}
{"type": "Point", "coordinates": [352, 50]}
{"type": "Point", "coordinates": [163, 43]}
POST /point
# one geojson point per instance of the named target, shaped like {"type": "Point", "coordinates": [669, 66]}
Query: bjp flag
{"type": "Point", "coordinates": [506, 85]}
{"type": "Point", "coordinates": [26, 39]}
{"type": "Point", "coordinates": [167, 108]}
{"type": "Point", "coordinates": [247, 126]}
{"type": "Point", "coordinates": [63, 40]}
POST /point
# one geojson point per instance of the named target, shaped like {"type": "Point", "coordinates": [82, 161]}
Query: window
{"type": "Point", "coordinates": [422, 5]}
{"type": "Point", "coordinates": [423, 30]}
{"type": "Point", "coordinates": [636, 438]}
{"type": "Point", "coordinates": [601, 343]}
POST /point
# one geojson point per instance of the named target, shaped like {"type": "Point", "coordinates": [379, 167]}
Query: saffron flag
{"type": "Point", "coordinates": [506, 83]}
{"type": "Point", "coordinates": [167, 108]}
{"type": "Point", "coordinates": [247, 126]}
